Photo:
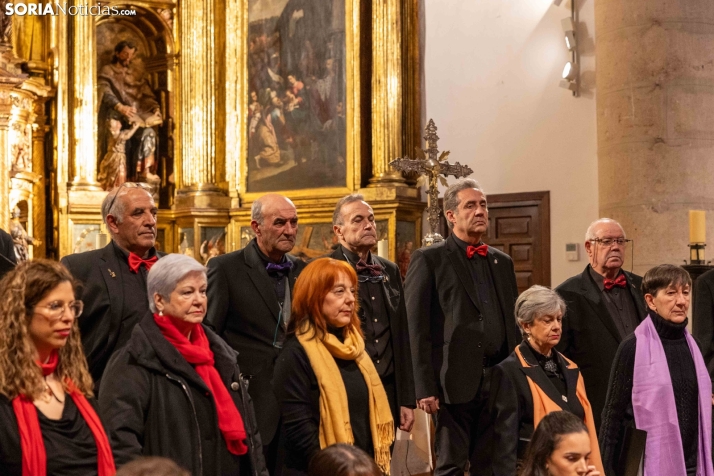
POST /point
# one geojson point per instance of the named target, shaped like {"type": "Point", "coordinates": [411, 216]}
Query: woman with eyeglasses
{"type": "Point", "coordinates": [534, 381]}
{"type": "Point", "coordinates": [48, 420]}
{"type": "Point", "coordinates": [175, 389]}
{"type": "Point", "coordinates": [327, 386]}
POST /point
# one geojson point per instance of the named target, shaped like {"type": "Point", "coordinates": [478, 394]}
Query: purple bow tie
{"type": "Point", "coordinates": [280, 269]}
{"type": "Point", "coordinates": [371, 269]}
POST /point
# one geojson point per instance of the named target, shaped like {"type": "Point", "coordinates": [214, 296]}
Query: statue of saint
{"type": "Point", "coordinates": [127, 97]}
{"type": "Point", "coordinates": [20, 237]}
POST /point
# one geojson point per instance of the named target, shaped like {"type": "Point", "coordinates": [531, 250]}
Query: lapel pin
{"type": "Point", "coordinates": [112, 273]}
{"type": "Point", "coordinates": [495, 261]}
{"type": "Point", "coordinates": [565, 399]}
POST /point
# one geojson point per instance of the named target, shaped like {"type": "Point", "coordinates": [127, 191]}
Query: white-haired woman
{"type": "Point", "coordinates": [536, 380]}
{"type": "Point", "coordinates": [175, 389]}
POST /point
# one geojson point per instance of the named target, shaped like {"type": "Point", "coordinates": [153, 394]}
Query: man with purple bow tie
{"type": "Point", "coordinates": [249, 305]}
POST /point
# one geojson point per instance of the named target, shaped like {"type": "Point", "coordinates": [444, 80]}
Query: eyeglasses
{"type": "Point", "coordinates": [611, 241]}
{"type": "Point", "coordinates": [56, 309]}
{"type": "Point", "coordinates": [140, 185]}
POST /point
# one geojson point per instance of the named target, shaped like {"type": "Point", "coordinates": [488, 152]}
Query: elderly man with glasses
{"type": "Point", "coordinates": [114, 277]}
{"type": "Point", "coordinates": [604, 305]}
{"type": "Point", "coordinates": [382, 309]}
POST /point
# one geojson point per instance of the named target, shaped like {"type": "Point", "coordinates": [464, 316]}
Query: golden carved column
{"type": "Point", "coordinates": [387, 83]}
{"type": "Point", "coordinates": [201, 181]}
{"type": "Point", "coordinates": [82, 112]}
{"type": "Point", "coordinates": [39, 130]}
{"type": "Point", "coordinates": [5, 110]}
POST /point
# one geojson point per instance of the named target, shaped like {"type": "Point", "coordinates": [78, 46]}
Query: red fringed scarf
{"type": "Point", "coordinates": [34, 458]}
{"type": "Point", "coordinates": [198, 353]}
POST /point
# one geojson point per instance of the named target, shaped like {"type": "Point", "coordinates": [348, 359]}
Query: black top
{"type": "Point", "coordinates": [278, 278]}
{"type": "Point", "coordinates": [619, 303]}
{"type": "Point", "coordinates": [551, 368]}
{"type": "Point", "coordinates": [69, 443]}
{"type": "Point", "coordinates": [134, 287]}
{"type": "Point", "coordinates": [495, 349]}
{"type": "Point", "coordinates": [375, 318]}
{"type": "Point", "coordinates": [618, 413]}
{"type": "Point", "coordinates": [296, 387]}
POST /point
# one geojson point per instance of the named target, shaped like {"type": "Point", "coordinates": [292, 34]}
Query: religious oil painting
{"type": "Point", "coordinates": [297, 87]}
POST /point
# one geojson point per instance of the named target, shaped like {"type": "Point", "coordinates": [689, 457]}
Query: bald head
{"type": "Point", "coordinates": [274, 221]}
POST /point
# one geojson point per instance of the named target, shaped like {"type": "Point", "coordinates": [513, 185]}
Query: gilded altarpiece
{"type": "Point", "coordinates": [348, 98]}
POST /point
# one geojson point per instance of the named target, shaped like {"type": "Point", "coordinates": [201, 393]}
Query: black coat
{"type": "Point", "coordinates": [10, 448]}
{"type": "Point", "coordinates": [149, 398]}
{"type": "Point", "coordinates": [445, 325]}
{"type": "Point", "coordinates": [511, 404]}
{"type": "Point", "coordinates": [8, 260]}
{"type": "Point", "coordinates": [243, 309]}
{"type": "Point", "coordinates": [103, 296]}
{"type": "Point", "coordinates": [590, 337]}
{"type": "Point", "coordinates": [393, 294]}
{"type": "Point", "coordinates": [703, 317]}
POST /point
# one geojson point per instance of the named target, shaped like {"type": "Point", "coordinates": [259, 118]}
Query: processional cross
{"type": "Point", "coordinates": [433, 169]}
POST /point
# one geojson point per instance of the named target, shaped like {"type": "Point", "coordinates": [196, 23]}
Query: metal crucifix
{"type": "Point", "coordinates": [433, 169]}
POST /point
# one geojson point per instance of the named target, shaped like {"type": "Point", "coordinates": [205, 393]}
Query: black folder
{"type": "Point", "coordinates": [632, 452]}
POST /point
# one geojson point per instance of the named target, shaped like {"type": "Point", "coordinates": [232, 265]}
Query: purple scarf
{"type": "Point", "coordinates": [655, 410]}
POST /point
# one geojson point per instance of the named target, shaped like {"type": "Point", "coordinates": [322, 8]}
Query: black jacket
{"type": "Point", "coordinates": [393, 294]}
{"type": "Point", "coordinates": [703, 317]}
{"type": "Point", "coordinates": [8, 260]}
{"type": "Point", "coordinates": [148, 400]}
{"type": "Point", "coordinates": [511, 404]}
{"type": "Point", "coordinates": [243, 309]}
{"type": "Point", "coordinates": [10, 448]}
{"type": "Point", "coordinates": [445, 325]}
{"type": "Point", "coordinates": [590, 337]}
{"type": "Point", "coordinates": [103, 297]}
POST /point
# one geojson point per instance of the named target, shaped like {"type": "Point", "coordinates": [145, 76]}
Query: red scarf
{"type": "Point", "coordinates": [198, 353]}
{"type": "Point", "coordinates": [34, 458]}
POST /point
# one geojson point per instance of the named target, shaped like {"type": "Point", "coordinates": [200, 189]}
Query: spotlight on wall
{"type": "Point", "coordinates": [569, 85]}
{"type": "Point", "coordinates": [569, 30]}
{"type": "Point", "coordinates": [570, 71]}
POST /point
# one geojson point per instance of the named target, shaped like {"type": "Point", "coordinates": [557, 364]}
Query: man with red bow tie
{"type": "Point", "coordinates": [114, 277]}
{"type": "Point", "coordinates": [604, 305]}
{"type": "Point", "coordinates": [460, 297]}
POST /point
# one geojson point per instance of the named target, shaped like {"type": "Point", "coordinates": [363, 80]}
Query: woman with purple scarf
{"type": "Point", "coordinates": [659, 383]}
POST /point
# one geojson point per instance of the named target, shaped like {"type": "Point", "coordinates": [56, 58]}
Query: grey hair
{"type": "Point", "coordinates": [451, 195]}
{"type": "Point", "coordinates": [166, 273]}
{"type": "Point", "coordinates": [119, 207]}
{"type": "Point", "coordinates": [537, 301]}
{"type": "Point", "coordinates": [346, 200]}
{"type": "Point", "coordinates": [590, 233]}
{"type": "Point", "coordinates": [256, 212]}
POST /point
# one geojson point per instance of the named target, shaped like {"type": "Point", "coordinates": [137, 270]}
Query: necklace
{"type": "Point", "coordinates": [51, 392]}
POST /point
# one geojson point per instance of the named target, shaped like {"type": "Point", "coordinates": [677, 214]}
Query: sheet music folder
{"type": "Point", "coordinates": [632, 453]}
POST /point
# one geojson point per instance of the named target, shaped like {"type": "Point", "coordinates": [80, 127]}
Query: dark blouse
{"type": "Point", "coordinates": [69, 443]}
{"type": "Point", "coordinates": [296, 387]}
{"type": "Point", "coordinates": [551, 368]}
{"type": "Point", "coordinates": [618, 414]}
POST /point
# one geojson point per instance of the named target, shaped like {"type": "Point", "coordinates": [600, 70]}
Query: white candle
{"type": "Point", "coordinates": [383, 249]}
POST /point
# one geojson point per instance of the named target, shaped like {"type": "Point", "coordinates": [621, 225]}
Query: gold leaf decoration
{"type": "Point", "coordinates": [444, 155]}
{"type": "Point", "coordinates": [420, 153]}
{"type": "Point", "coordinates": [443, 181]}
{"type": "Point", "coordinates": [421, 181]}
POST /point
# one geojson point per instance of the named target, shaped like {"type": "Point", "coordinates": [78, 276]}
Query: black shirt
{"type": "Point", "coordinates": [277, 277]}
{"type": "Point", "coordinates": [375, 318]}
{"type": "Point", "coordinates": [551, 368]}
{"type": "Point", "coordinates": [69, 443]}
{"type": "Point", "coordinates": [495, 345]}
{"type": "Point", "coordinates": [136, 302]}
{"type": "Point", "coordinates": [620, 305]}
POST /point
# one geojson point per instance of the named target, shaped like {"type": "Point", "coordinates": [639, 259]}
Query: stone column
{"type": "Point", "coordinates": [655, 121]}
{"type": "Point", "coordinates": [202, 156]}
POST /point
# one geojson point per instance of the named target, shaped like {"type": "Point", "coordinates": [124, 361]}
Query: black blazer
{"type": "Point", "coordinates": [511, 404]}
{"type": "Point", "coordinates": [393, 294]}
{"type": "Point", "coordinates": [103, 296]}
{"type": "Point", "coordinates": [703, 317]}
{"type": "Point", "coordinates": [590, 337]}
{"type": "Point", "coordinates": [445, 324]}
{"type": "Point", "coordinates": [243, 309]}
{"type": "Point", "coordinates": [8, 261]}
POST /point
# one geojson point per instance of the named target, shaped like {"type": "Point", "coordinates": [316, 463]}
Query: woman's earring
{"type": "Point", "coordinates": [161, 313]}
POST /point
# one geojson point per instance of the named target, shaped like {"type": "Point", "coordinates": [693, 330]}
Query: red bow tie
{"type": "Point", "coordinates": [135, 262]}
{"type": "Point", "coordinates": [619, 281]}
{"type": "Point", "coordinates": [481, 250]}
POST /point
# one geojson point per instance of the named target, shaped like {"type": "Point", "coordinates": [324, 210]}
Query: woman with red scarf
{"type": "Point", "coordinates": [48, 424]}
{"type": "Point", "coordinates": [175, 389]}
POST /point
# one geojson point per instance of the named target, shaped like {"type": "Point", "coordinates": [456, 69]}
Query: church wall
{"type": "Point", "coordinates": [492, 69]}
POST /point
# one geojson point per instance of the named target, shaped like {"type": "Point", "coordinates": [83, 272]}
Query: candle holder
{"type": "Point", "coordinates": [696, 253]}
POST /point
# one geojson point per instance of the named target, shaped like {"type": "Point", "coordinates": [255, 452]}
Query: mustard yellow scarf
{"type": "Point", "coordinates": [334, 411]}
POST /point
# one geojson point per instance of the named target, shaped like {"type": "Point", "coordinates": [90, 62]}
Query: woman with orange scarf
{"type": "Point", "coordinates": [175, 390]}
{"type": "Point", "coordinates": [327, 385]}
{"type": "Point", "coordinates": [49, 423]}
{"type": "Point", "coordinates": [536, 380]}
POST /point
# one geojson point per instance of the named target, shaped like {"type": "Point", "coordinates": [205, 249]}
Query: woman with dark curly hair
{"type": "Point", "coordinates": [560, 447]}
{"type": "Point", "coordinates": [41, 364]}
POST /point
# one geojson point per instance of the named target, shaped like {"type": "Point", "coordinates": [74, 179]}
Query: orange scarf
{"type": "Point", "coordinates": [542, 405]}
